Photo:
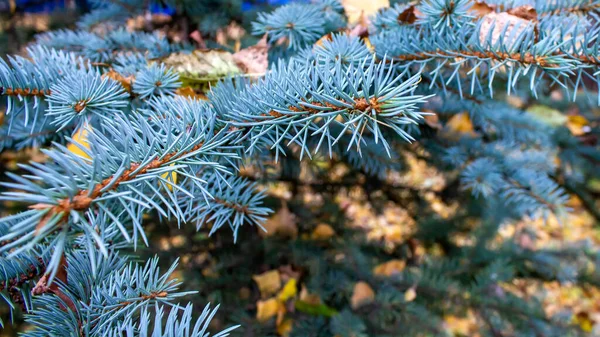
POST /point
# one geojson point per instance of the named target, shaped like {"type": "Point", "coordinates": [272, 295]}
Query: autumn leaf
{"type": "Point", "coordinates": [362, 294]}
{"type": "Point", "coordinates": [268, 282]}
{"type": "Point", "coordinates": [267, 309]}
{"type": "Point", "coordinates": [460, 123]}
{"type": "Point", "coordinates": [282, 224]}
{"type": "Point", "coordinates": [355, 9]}
{"type": "Point", "coordinates": [323, 232]}
{"type": "Point", "coordinates": [170, 177]}
{"type": "Point", "coordinates": [410, 294]}
{"type": "Point", "coordinates": [79, 142]}
{"type": "Point", "coordinates": [288, 291]}
{"type": "Point", "coordinates": [578, 125]}
{"type": "Point", "coordinates": [254, 59]}
{"type": "Point", "coordinates": [285, 327]}
{"type": "Point", "coordinates": [389, 268]}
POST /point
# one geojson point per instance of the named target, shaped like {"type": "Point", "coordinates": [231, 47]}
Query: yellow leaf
{"type": "Point", "coordinates": [362, 294]}
{"type": "Point", "coordinates": [584, 321]}
{"type": "Point", "coordinates": [285, 327]}
{"type": "Point", "coordinates": [268, 282]}
{"type": "Point", "coordinates": [267, 309]}
{"type": "Point", "coordinates": [288, 291]}
{"type": "Point", "coordinates": [410, 294]}
{"type": "Point", "coordinates": [578, 125]}
{"type": "Point", "coordinates": [79, 140]}
{"type": "Point", "coordinates": [389, 268]}
{"type": "Point", "coordinates": [460, 123]}
{"type": "Point", "coordinates": [355, 9]}
{"type": "Point", "coordinates": [323, 232]}
{"type": "Point", "coordinates": [171, 177]}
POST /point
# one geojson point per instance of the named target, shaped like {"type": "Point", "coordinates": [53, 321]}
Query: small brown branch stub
{"type": "Point", "coordinates": [24, 92]}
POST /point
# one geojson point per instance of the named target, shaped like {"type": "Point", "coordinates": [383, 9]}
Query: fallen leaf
{"type": "Point", "coordinates": [390, 268]}
{"type": "Point", "coordinates": [190, 93]}
{"type": "Point", "coordinates": [267, 309]}
{"type": "Point", "coordinates": [314, 309]}
{"type": "Point", "coordinates": [409, 15]}
{"type": "Point", "coordinates": [254, 59]}
{"type": "Point", "coordinates": [502, 24]}
{"type": "Point", "coordinates": [288, 291]}
{"type": "Point", "coordinates": [578, 125]}
{"type": "Point", "coordinates": [201, 68]}
{"type": "Point", "coordinates": [547, 115]}
{"type": "Point", "coordinates": [480, 8]}
{"type": "Point", "coordinates": [355, 9]}
{"type": "Point", "coordinates": [323, 232]}
{"type": "Point", "coordinates": [461, 123]}
{"type": "Point", "coordinates": [433, 121]}
{"type": "Point", "coordinates": [583, 320]}
{"type": "Point", "coordinates": [79, 141]}
{"type": "Point", "coordinates": [282, 223]}
{"type": "Point", "coordinates": [410, 294]}
{"type": "Point", "coordinates": [268, 282]}
{"type": "Point", "coordinates": [125, 81]}
{"type": "Point", "coordinates": [362, 294]}
{"type": "Point", "coordinates": [526, 12]}
{"type": "Point", "coordinates": [285, 327]}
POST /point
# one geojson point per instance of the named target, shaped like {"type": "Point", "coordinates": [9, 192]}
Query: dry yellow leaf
{"type": "Point", "coordinates": [285, 327]}
{"type": "Point", "coordinates": [268, 282]}
{"type": "Point", "coordinates": [171, 177]}
{"type": "Point", "coordinates": [362, 294]}
{"type": "Point", "coordinates": [460, 123]}
{"type": "Point", "coordinates": [79, 140]}
{"type": "Point", "coordinates": [355, 9]}
{"type": "Point", "coordinates": [389, 268]}
{"type": "Point", "coordinates": [267, 309]}
{"type": "Point", "coordinates": [410, 294]}
{"type": "Point", "coordinates": [323, 232]}
{"type": "Point", "coordinates": [288, 291]}
{"type": "Point", "coordinates": [578, 125]}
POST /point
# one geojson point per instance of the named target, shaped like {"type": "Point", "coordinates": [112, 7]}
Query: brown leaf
{"type": "Point", "coordinates": [362, 294]}
{"type": "Point", "coordinates": [125, 81]}
{"type": "Point", "coordinates": [409, 15]}
{"type": "Point", "coordinates": [254, 59]}
{"type": "Point", "coordinates": [190, 92]}
{"type": "Point", "coordinates": [282, 223]}
{"type": "Point", "coordinates": [433, 121]}
{"type": "Point", "coordinates": [524, 12]}
{"type": "Point", "coordinates": [480, 8]}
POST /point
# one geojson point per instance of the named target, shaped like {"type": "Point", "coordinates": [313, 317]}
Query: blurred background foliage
{"type": "Point", "coordinates": [338, 231]}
